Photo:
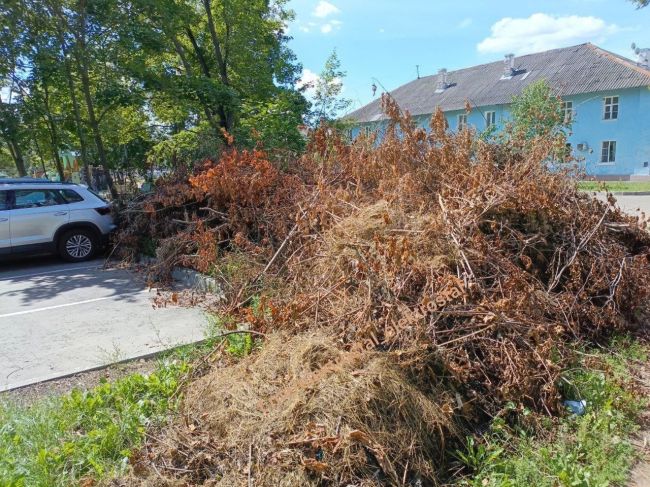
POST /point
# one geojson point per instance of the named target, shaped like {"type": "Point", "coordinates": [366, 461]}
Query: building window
{"type": "Point", "coordinates": [367, 130]}
{"type": "Point", "coordinates": [490, 119]}
{"type": "Point", "coordinates": [462, 121]}
{"type": "Point", "coordinates": [611, 108]}
{"type": "Point", "coordinates": [608, 153]}
{"type": "Point", "coordinates": [567, 109]}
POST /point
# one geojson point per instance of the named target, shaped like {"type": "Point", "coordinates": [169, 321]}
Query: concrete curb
{"type": "Point", "coordinates": [189, 277]}
{"type": "Point", "coordinates": [145, 356]}
{"type": "Point", "coordinates": [620, 193]}
{"type": "Point", "coordinates": [196, 280]}
{"type": "Point", "coordinates": [632, 193]}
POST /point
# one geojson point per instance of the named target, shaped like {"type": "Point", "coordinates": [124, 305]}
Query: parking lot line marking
{"type": "Point", "coordinates": [3, 278]}
{"type": "Point", "coordinates": [65, 305]}
{"type": "Point", "coordinates": [28, 311]}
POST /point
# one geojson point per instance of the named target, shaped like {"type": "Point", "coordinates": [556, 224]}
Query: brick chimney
{"type": "Point", "coordinates": [442, 84]}
{"type": "Point", "coordinates": [509, 66]}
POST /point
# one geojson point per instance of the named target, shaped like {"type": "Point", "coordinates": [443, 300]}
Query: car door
{"type": "Point", "coordinates": [5, 235]}
{"type": "Point", "coordinates": [36, 215]}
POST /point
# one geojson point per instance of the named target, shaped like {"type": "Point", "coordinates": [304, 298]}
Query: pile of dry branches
{"type": "Point", "coordinates": [465, 268]}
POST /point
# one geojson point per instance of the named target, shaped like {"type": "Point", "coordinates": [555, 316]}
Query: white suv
{"type": "Point", "coordinates": [39, 216]}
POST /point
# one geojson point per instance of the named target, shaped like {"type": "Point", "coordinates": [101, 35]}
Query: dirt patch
{"type": "Point", "coordinates": [640, 475]}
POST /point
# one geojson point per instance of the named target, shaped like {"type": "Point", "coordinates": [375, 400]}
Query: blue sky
{"type": "Point", "coordinates": [386, 39]}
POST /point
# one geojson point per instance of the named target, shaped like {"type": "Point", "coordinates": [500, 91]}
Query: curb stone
{"type": "Point", "coordinates": [196, 280]}
{"type": "Point", "coordinates": [189, 277]}
{"type": "Point", "coordinates": [621, 193]}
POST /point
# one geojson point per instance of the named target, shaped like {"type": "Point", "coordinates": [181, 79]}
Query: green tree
{"type": "Point", "coordinates": [111, 79]}
{"type": "Point", "coordinates": [274, 123]}
{"type": "Point", "coordinates": [641, 3]}
{"type": "Point", "coordinates": [12, 51]}
{"type": "Point", "coordinates": [328, 102]}
{"type": "Point", "coordinates": [538, 112]}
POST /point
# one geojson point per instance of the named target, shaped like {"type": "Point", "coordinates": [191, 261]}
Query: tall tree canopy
{"type": "Point", "coordinates": [111, 80]}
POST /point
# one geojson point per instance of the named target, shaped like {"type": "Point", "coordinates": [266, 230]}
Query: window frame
{"type": "Point", "coordinates": [608, 115]}
{"type": "Point", "coordinates": [490, 114]}
{"type": "Point", "coordinates": [610, 160]}
{"type": "Point", "coordinates": [65, 199]}
{"type": "Point", "coordinates": [567, 110]}
{"type": "Point", "coordinates": [57, 197]}
{"type": "Point", "coordinates": [461, 121]}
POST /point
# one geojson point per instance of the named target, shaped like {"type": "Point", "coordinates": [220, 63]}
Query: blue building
{"type": "Point", "coordinates": [607, 97]}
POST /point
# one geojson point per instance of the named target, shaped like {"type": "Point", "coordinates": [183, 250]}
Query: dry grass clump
{"type": "Point", "coordinates": [303, 412]}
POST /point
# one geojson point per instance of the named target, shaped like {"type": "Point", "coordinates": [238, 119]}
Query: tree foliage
{"type": "Point", "coordinates": [538, 112]}
{"type": "Point", "coordinates": [117, 81]}
{"type": "Point", "coordinates": [328, 89]}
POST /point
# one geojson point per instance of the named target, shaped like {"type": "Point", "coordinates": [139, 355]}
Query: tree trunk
{"type": "Point", "coordinates": [73, 95]}
{"type": "Point", "coordinates": [80, 54]}
{"type": "Point", "coordinates": [10, 137]}
{"type": "Point", "coordinates": [40, 155]}
{"type": "Point", "coordinates": [189, 72]}
{"type": "Point", "coordinates": [54, 138]}
{"type": "Point", "coordinates": [226, 116]}
{"type": "Point", "coordinates": [17, 155]}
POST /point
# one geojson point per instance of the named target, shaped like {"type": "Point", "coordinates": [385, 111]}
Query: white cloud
{"type": "Point", "coordinates": [308, 80]}
{"type": "Point", "coordinates": [330, 26]}
{"type": "Point", "coordinates": [325, 9]}
{"type": "Point", "coordinates": [465, 23]}
{"type": "Point", "coordinates": [541, 32]}
{"type": "Point", "coordinates": [323, 19]}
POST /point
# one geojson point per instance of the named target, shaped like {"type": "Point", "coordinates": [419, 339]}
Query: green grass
{"type": "Point", "coordinates": [614, 186]}
{"type": "Point", "coordinates": [57, 441]}
{"type": "Point", "coordinates": [591, 450]}
{"type": "Point", "coordinates": [60, 440]}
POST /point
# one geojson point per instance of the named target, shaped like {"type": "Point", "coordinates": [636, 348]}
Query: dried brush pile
{"type": "Point", "coordinates": [449, 275]}
{"type": "Point", "coordinates": [241, 200]}
{"type": "Point", "coordinates": [303, 410]}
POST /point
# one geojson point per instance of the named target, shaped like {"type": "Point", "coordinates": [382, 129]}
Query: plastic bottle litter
{"type": "Point", "coordinates": [576, 407]}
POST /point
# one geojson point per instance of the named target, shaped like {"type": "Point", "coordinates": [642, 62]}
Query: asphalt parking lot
{"type": "Point", "coordinates": [633, 204]}
{"type": "Point", "coordinates": [57, 319]}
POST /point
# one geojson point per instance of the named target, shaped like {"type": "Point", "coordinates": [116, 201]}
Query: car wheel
{"type": "Point", "coordinates": [78, 245]}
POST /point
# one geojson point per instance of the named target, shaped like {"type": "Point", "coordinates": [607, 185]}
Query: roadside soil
{"type": "Point", "coordinates": [640, 475]}
{"type": "Point", "coordinates": [27, 395]}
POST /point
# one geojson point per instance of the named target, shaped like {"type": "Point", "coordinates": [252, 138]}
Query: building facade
{"type": "Point", "coordinates": [607, 97]}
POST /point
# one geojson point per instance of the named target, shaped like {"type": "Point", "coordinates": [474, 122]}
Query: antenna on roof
{"type": "Point", "coordinates": [417, 68]}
